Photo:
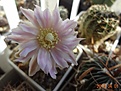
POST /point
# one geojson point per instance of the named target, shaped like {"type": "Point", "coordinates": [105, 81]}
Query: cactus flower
{"type": "Point", "coordinates": [45, 41]}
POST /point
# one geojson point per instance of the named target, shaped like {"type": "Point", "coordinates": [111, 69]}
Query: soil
{"type": "Point", "coordinates": [46, 81]}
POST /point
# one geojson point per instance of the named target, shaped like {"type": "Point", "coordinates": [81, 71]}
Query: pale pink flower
{"type": "Point", "coordinates": [45, 40]}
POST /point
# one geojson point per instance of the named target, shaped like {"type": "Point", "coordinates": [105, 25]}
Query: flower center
{"type": "Point", "coordinates": [47, 38]}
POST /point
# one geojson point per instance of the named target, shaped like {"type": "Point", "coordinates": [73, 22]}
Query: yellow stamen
{"type": "Point", "coordinates": [47, 38]}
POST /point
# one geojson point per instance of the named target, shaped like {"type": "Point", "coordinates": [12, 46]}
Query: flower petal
{"type": "Point", "coordinates": [68, 56]}
{"type": "Point", "coordinates": [28, 29]}
{"type": "Point", "coordinates": [52, 74]}
{"type": "Point", "coordinates": [47, 18]}
{"type": "Point", "coordinates": [56, 16]}
{"type": "Point", "coordinates": [71, 44]}
{"type": "Point", "coordinates": [39, 16]}
{"type": "Point", "coordinates": [18, 31]}
{"type": "Point", "coordinates": [69, 24]}
{"type": "Point", "coordinates": [33, 66]}
{"type": "Point", "coordinates": [67, 34]}
{"type": "Point", "coordinates": [53, 71]}
{"type": "Point", "coordinates": [49, 63]}
{"type": "Point", "coordinates": [27, 50]}
{"type": "Point", "coordinates": [27, 58]}
{"type": "Point", "coordinates": [71, 58]}
{"type": "Point", "coordinates": [42, 58]}
{"type": "Point", "coordinates": [67, 27]}
{"type": "Point", "coordinates": [62, 47]}
{"type": "Point", "coordinates": [17, 38]}
{"type": "Point", "coordinates": [57, 56]}
{"type": "Point", "coordinates": [28, 23]}
{"type": "Point", "coordinates": [28, 44]}
{"type": "Point", "coordinates": [30, 16]}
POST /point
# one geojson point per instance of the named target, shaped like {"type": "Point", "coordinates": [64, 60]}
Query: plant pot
{"type": "Point", "coordinates": [2, 73]}
{"type": "Point", "coordinates": [48, 78]}
{"type": "Point", "coordinates": [4, 65]}
{"type": "Point", "coordinates": [14, 81]}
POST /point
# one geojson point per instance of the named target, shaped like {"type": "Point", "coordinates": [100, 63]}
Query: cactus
{"type": "Point", "coordinates": [63, 12]}
{"type": "Point", "coordinates": [107, 2]}
{"type": "Point", "coordinates": [95, 75]}
{"type": "Point", "coordinates": [97, 22]}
